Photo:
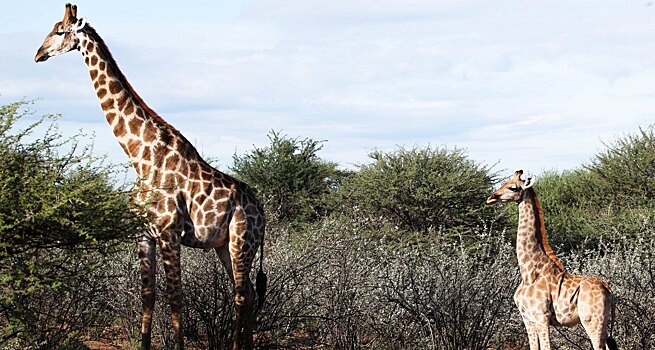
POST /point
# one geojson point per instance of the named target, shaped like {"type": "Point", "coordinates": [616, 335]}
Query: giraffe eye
{"type": "Point", "coordinates": [514, 188]}
{"type": "Point", "coordinates": [60, 31]}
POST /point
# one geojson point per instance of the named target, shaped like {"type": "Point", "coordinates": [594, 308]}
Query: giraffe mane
{"type": "Point", "coordinates": [541, 234]}
{"type": "Point", "coordinates": [121, 77]}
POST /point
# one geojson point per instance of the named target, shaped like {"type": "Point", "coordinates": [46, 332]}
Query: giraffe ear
{"type": "Point", "coordinates": [529, 182]}
{"type": "Point", "coordinates": [80, 24]}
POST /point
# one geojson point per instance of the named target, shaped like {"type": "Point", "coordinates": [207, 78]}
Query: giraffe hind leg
{"type": "Point", "coordinates": [241, 313]}
{"type": "Point", "coordinates": [244, 300]}
{"type": "Point", "coordinates": [244, 296]}
{"type": "Point", "coordinates": [595, 314]}
{"type": "Point", "coordinates": [244, 304]}
{"type": "Point", "coordinates": [596, 328]}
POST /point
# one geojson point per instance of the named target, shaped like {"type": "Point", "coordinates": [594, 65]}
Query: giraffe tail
{"type": "Point", "coordinates": [611, 343]}
{"type": "Point", "coordinates": [261, 280]}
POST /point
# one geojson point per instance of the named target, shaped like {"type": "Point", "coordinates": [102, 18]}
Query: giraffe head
{"type": "Point", "coordinates": [512, 190]}
{"type": "Point", "coordinates": [63, 37]}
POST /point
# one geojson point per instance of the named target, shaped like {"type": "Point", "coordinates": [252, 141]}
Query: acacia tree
{"type": "Point", "coordinates": [625, 171]}
{"type": "Point", "coordinates": [290, 178]}
{"type": "Point", "coordinates": [61, 215]}
{"type": "Point", "coordinates": [422, 189]}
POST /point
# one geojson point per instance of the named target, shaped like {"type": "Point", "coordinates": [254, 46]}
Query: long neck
{"type": "Point", "coordinates": [144, 136]}
{"type": "Point", "coordinates": [532, 249]}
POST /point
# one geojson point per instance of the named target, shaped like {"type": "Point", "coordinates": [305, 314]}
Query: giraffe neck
{"type": "Point", "coordinates": [534, 255]}
{"type": "Point", "coordinates": [145, 137]}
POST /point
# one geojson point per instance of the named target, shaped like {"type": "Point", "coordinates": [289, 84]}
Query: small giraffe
{"type": "Point", "coordinates": [548, 295]}
{"type": "Point", "coordinates": [188, 202]}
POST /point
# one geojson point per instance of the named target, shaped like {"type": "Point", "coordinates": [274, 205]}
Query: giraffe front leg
{"type": "Point", "coordinates": [146, 252]}
{"type": "Point", "coordinates": [532, 327]}
{"type": "Point", "coordinates": [171, 258]}
{"type": "Point", "coordinates": [544, 335]}
{"type": "Point", "coordinates": [538, 330]}
{"type": "Point", "coordinates": [533, 335]}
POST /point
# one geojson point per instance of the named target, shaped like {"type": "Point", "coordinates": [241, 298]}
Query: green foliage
{"type": "Point", "coordinates": [422, 190]}
{"type": "Point", "coordinates": [289, 177]}
{"type": "Point", "coordinates": [60, 215]}
{"type": "Point", "coordinates": [625, 171]}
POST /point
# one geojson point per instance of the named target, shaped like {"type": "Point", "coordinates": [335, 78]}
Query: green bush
{"type": "Point", "coordinates": [422, 190]}
{"type": "Point", "coordinates": [60, 217]}
{"type": "Point", "coordinates": [289, 177]}
{"type": "Point", "coordinates": [625, 171]}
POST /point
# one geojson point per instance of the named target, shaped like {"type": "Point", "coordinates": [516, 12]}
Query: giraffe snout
{"type": "Point", "coordinates": [41, 55]}
{"type": "Point", "coordinates": [493, 199]}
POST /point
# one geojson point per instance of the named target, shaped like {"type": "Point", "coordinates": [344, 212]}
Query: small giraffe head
{"type": "Point", "coordinates": [63, 37]}
{"type": "Point", "coordinates": [512, 190]}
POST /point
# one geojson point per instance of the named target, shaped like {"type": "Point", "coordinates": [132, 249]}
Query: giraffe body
{"type": "Point", "coordinates": [188, 202]}
{"type": "Point", "coordinates": [547, 294]}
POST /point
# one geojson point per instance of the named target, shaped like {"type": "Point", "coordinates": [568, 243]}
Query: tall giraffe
{"type": "Point", "coordinates": [547, 294]}
{"type": "Point", "coordinates": [188, 202]}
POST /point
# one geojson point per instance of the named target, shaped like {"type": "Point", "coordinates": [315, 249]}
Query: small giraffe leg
{"type": "Point", "coordinates": [597, 333]}
{"type": "Point", "coordinates": [594, 305]}
{"type": "Point", "coordinates": [596, 328]}
{"type": "Point", "coordinates": [146, 251]}
{"type": "Point", "coordinates": [544, 335]}
{"type": "Point", "coordinates": [171, 258]}
{"type": "Point", "coordinates": [533, 336]}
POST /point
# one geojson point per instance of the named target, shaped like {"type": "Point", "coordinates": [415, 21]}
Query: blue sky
{"type": "Point", "coordinates": [532, 85]}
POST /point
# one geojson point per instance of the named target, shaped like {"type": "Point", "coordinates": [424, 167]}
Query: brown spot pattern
{"type": "Point", "coordinates": [110, 117]}
{"type": "Point", "coordinates": [115, 87]}
{"type": "Point", "coordinates": [122, 99]}
{"type": "Point", "coordinates": [149, 133]}
{"type": "Point", "coordinates": [129, 108]}
{"type": "Point", "coordinates": [101, 93]}
{"type": "Point", "coordinates": [134, 146]}
{"type": "Point", "coordinates": [135, 125]}
{"type": "Point", "coordinates": [107, 104]}
{"type": "Point", "coordinates": [119, 129]}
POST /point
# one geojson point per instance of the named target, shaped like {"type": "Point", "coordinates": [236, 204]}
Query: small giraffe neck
{"type": "Point", "coordinates": [145, 137]}
{"type": "Point", "coordinates": [532, 248]}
